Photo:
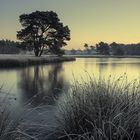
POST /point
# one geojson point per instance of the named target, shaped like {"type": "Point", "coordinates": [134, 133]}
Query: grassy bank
{"type": "Point", "coordinates": [10, 61]}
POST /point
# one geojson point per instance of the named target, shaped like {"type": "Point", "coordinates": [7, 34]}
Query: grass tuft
{"type": "Point", "coordinates": [100, 110]}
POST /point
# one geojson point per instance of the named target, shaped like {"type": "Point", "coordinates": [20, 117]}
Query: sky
{"type": "Point", "coordinates": [90, 21]}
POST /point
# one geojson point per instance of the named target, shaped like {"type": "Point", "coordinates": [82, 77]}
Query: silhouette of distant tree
{"type": "Point", "coordinates": [86, 46]}
{"type": "Point", "coordinates": [132, 49]}
{"type": "Point", "coordinates": [73, 51]}
{"type": "Point", "coordinates": [103, 48]}
{"type": "Point", "coordinates": [92, 47]}
{"type": "Point", "coordinates": [43, 30]}
{"type": "Point", "coordinates": [117, 49]}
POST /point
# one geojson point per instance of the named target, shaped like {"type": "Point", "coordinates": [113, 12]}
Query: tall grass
{"type": "Point", "coordinates": [30, 124]}
{"type": "Point", "coordinates": [100, 110]}
{"type": "Point", "coordinates": [94, 110]}
{"type": "Point", "coordinates": [7, 124]}
{"type": "Point", "coordinates": [10, 124]}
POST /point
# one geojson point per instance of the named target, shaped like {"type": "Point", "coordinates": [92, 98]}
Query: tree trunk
{"type": "Point", "coordinates": [36, 51]}
{"type": "Point", "coordinates": [41, 51]}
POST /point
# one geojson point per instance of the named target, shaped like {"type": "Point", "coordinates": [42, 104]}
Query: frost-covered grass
{"type": "Point", "coordinates": [10, 61]}
{"type": "Point", "coordinates": [96, 110]}
{"type": "Point", "coordinates": [8, 126]}
{"type": "Point", "coordinates": [100, 110]}
{"type": "Point", "coordinates": [31, 123]}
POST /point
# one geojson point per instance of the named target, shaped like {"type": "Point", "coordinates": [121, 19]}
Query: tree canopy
{"type": "Point", "coordinates": [102, 48]}
{"type": "Point", "coordinates": [117, 49]}
{"type": "Point", "coordinates": [43, 30]}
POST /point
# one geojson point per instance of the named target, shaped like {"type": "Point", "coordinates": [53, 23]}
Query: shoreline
{"type": "Point", "coordinates": [104, 56]}
{"type": "Point", "coordinates": [12, 61]}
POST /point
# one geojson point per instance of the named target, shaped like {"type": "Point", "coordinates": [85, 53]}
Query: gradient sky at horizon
{"type": "Point", "coordinates": [90, 21]}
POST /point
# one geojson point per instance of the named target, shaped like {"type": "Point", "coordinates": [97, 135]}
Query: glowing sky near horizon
{"type": "Point", "coordinates": [90, 21]}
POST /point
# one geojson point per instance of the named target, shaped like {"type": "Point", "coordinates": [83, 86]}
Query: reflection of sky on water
{"type": "Point", "coordinates": [103, 67]}
{"type": "Point", "coordinates": [42, 84]}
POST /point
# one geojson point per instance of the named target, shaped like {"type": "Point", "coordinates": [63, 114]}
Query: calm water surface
{"type": "Point", "coordinates": [40, 84]}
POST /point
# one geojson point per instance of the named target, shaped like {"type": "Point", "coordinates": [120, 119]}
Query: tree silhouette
{"type": "Point", "coordinates": [43, 30]}
{"type": "Point", "coordinates": [73, 51]}
{"type": "Point", "coordinates": [92, 47]}
{"type": "Point", "coordinates": [102, 48]}
{"type": "Point", "coordinates": [58, 39]}
{"type": "Point", "coordinates": [86, 46]}
{"type": "Point", "coordinates": [116, 49]}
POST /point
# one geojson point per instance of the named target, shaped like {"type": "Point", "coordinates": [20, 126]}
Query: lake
{"type": "Point", "coordinates": [42, 84]}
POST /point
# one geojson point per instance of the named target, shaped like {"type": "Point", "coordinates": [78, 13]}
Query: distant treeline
{"type": "Point", "coordinates": [126, 49]}
{"type": "Point", "coordinates": [9, 47]}
{"type": "Point", "coordinates": [12, 47]}
{"type": "Point", "coordinates": [114, 48]}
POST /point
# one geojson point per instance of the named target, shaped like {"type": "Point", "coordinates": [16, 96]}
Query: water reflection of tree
{"type": "Point", "coordinates": [41, 84]}
{"type": "Point", "coordinates": [103, 65]}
